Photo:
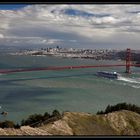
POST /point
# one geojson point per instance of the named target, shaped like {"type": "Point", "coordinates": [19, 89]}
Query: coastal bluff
{"type": "Point", "coordinates": [122, 122]}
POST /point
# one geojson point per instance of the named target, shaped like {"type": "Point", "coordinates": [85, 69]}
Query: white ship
{"type": "Point", "coordinates": [110, 75]}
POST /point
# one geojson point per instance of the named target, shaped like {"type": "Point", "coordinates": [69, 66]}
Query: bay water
{"type": "Point", "coordinates": [80, 90]}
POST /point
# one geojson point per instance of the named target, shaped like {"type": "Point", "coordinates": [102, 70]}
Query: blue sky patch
{"type": "Point", "coordinates": [11, 6]}
{"type": "Point", "coordinates": [74, 12]}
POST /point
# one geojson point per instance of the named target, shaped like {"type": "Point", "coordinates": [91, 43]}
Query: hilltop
{"type": "Point", "coordinates": [121, 122]}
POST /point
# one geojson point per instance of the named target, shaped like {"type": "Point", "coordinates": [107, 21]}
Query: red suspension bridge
{"type": "Point", "coordinates": [127, 65]}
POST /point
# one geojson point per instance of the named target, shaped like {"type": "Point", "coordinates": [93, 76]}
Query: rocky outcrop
{"type": "Point", "coordinates": [124, 122]}
{"type": "Point", "coordinates": [23, 131]}
{"type": "Point", "coordinates": [74, 123]}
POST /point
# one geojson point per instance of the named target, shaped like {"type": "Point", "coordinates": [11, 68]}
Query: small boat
{"type": "Point", "coordinates": [110, 75]}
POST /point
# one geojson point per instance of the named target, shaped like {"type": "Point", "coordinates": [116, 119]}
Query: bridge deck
{"type": "Point", "coordinates": [62, 68]}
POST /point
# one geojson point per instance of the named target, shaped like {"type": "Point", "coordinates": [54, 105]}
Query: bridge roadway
{"type": "Point", "coordinates": [61, 68]}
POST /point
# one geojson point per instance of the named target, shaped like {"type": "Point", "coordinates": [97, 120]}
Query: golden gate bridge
{"type": "Point", "coordinates": [127, 65]}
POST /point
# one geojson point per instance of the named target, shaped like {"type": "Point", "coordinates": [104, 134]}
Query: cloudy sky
{"type": "Point", "coordinates": [77, 26]}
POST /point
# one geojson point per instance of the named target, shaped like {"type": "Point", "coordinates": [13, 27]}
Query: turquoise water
{"type": "Point", "coordinates": [25, 93]}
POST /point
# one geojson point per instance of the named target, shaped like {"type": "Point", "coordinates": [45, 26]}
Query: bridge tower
{"type": "Point", "coordinates": [128, 60]}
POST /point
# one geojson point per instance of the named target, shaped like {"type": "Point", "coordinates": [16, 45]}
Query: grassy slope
{"type": "Point", "coordinates": [74, 123]}
{"type": "Point", "coordinates": [116, 123]}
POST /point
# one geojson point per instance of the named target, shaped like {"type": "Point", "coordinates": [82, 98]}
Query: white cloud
{"type": "Point", "coordinates": [1, 36]}
{"type": "Point", "coordinates": [106, 25]}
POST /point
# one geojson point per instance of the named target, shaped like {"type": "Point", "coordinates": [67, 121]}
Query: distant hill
{"type": "Point", "coordinates": [75, 123]}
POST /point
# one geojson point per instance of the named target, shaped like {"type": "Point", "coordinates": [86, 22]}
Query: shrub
{"type": "Point", "coordinates": [37, 119]}
{"type": "Point", "coordinates": [120, 106]}
{"type": "Point", "coordinates": [32, 119]}
{"type": "Point", "coordinates": [16, 126]}
{"type": "Point", "coordinates": [46, 116]}
{"type": "Point", "coordinates": [7, 124]}
{"type": "Point", "coordinates": [56, 113]}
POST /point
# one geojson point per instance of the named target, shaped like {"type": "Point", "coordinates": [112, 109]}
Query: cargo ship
{"type": "Point", "coordinates": [110, 75]}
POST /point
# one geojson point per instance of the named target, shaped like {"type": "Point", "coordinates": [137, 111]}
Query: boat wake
{"type": "Point", "coordinates": [129, 80]}
{"type": "Point", "coordinates": [133, 82]}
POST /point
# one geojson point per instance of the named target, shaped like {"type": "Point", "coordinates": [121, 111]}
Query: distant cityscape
{"type": "Point", "coordinates": [97, 54]}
